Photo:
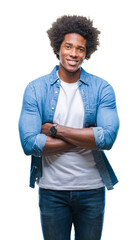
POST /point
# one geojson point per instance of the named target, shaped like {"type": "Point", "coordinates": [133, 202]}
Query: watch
{"type": "Point", "coordinates": [53, 130]}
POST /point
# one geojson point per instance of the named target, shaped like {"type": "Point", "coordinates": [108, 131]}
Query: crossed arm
{"type": "Point", "coordinates": [67, 138]}
{"type": "Point", "coordinates": [35, 137]}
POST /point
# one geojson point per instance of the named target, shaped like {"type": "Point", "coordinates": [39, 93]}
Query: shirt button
{"type": "Point", "coordinates": [35, 167]}
{"type": "Point", "coordinates": [56, 92]}
{"type": "Point", "coordinates": [52, 108]}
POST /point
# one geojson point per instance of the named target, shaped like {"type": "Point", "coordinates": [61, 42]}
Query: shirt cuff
{"type": "Point", "coordinates": [99, 137]}
{"type": "Point", "coordinates": [39, 144]}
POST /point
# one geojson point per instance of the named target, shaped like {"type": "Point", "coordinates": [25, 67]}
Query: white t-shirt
{"type": "Point", "coordinates": [76, 169]}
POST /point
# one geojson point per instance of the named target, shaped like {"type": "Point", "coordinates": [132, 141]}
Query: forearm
{"type": "Point", "coordinates": [55, 146]}
{"type": "Point", "coordinates": [80, 137]}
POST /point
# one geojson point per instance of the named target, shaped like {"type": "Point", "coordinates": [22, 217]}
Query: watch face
{"type": "Point", "coordinates": [53, 131]}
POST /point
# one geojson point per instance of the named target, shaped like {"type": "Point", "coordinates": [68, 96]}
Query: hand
{"type": "Point", "coordinates": [45, 129]}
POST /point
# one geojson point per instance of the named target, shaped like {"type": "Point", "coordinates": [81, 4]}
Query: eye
{"type": "Point", "coordinates": [67, 47]}
{"type": "Point", "coordinates": [81, 49]}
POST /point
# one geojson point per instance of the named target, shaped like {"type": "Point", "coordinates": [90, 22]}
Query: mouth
{"type": "Point", "coordinates": [72, 62]}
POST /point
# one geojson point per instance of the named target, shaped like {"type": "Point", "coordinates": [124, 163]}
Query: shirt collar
{"type": "Point", "coordinates": [54, 77]}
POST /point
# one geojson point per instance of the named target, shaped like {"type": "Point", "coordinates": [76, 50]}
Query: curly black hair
{"type": "Point", "coordinates": [74, 24]}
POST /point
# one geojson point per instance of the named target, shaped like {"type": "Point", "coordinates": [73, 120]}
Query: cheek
{"type": "Point", "coordinates": [61, 55]}
{"type": "Point", "coordinates": [61, 58]}
{"type": "Point", "coordinates": [83, 58]}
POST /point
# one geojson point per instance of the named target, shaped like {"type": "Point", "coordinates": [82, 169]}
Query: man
{"type": "Point", "coordinates": [68, 118]}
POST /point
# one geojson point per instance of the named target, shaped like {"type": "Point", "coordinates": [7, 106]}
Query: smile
{"type": "Point", "coordinates": [72, 62]}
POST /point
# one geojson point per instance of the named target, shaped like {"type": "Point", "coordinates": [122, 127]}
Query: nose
{"type": "Point", "coordinates": [73, 53]}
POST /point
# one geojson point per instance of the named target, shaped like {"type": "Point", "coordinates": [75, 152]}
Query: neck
{"type": "Point", "coordinates": [69, 77]}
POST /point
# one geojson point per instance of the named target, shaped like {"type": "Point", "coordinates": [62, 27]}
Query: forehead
{"type": "Point", "coordinates": [74, 38]}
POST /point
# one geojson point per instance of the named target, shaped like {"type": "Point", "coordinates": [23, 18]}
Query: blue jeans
{"type": "Point", "coordinates": [59, 209]}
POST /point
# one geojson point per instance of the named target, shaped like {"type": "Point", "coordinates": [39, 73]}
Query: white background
{"type": "Point", "coordinates": [25, 54]}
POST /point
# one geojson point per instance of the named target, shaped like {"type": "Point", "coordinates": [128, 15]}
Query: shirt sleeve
{"type": "Point", "coordinates": [107, 127]}
{"type": "Point", "coordinates": [30, 123]}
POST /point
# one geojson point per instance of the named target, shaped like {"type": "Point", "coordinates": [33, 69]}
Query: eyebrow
{"type": "Point", "coordinates": [72, 44]}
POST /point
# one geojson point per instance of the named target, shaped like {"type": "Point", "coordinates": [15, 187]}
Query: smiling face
{"type": "Point", "coordinates": [72, 52]}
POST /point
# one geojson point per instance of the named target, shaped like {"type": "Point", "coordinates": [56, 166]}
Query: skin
{"type": "Point", "coordinates": [67, 139]}
{"type": "Point", "coordinates": [71, 55]}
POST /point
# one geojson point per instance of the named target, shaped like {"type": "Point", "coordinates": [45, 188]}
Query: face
{"type": "Point", "coordinates": [72, 52]}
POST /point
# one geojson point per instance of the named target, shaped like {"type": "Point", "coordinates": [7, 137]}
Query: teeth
{"type": "Point", "coordinates": [72, 62]}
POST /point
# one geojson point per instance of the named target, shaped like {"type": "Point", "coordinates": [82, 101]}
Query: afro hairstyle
{"type": "Point", "coordinates": [74, 24]}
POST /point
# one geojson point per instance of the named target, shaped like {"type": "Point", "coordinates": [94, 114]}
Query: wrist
{"type": "Point", "coordinates": [53, 130]}
{"type": "Point", "coordinates": [62, 131]}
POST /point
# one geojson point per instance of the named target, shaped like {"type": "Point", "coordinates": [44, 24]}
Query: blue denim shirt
{"type": "Point", "coordinates": [39, 104]}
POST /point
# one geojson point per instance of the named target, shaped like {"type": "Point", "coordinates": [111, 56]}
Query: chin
{"type": "Point", "coordinates": [71, 69]}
